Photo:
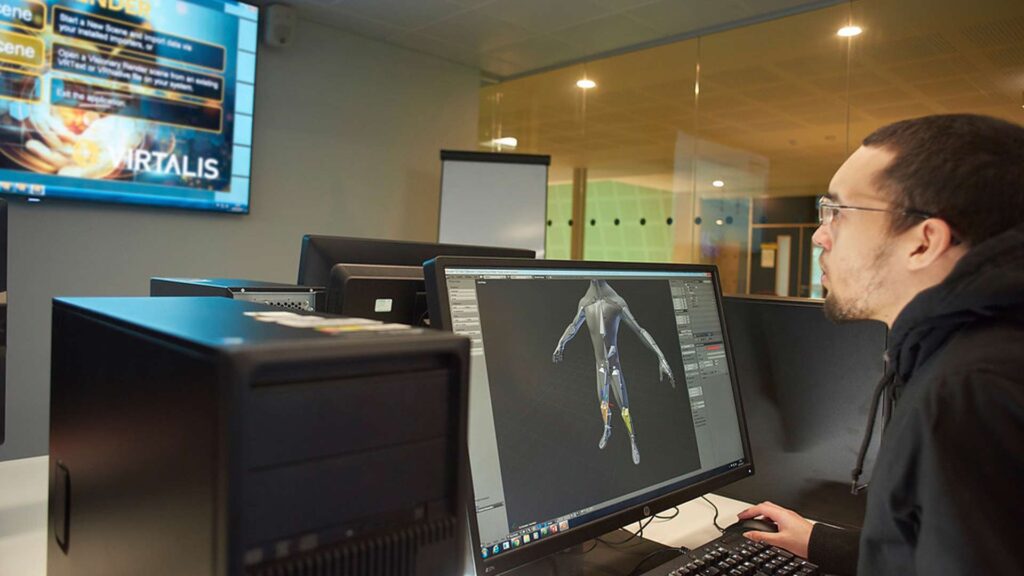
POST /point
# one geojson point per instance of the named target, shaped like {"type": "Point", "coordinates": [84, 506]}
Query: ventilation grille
{"type": "Point", "coordinates": [289, 300]}
{"type": "Point", "coordinates": [395, 554]}
{"type": "Point", "coordinates": [289, 304]}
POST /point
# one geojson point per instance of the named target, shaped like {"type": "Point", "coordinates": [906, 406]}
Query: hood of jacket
{"type": "Point", "coordinates": [988, 281]}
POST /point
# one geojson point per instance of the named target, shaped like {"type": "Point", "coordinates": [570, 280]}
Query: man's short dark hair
{"type": "Point", "coordinates": [966, 169]}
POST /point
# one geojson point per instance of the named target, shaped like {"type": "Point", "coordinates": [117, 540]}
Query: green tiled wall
{"type": "Point", "coordinates": [608, 201]}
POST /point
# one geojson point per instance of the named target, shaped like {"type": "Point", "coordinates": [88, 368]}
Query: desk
{"type": "Point", "coordinates": [23, 494]}
{"type": "Point", "coordinates": [693, 527]}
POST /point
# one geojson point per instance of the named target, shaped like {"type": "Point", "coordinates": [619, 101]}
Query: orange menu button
{"type": "Point", "coordinates": [21, 49]}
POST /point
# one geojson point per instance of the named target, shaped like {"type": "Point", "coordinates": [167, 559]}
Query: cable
{"type": "Point", "coordinates": [679, 550]}
{"type": "Point", "coordinates": [675, 512]}
{"type": "Point", "coordinates": [715, 519]}
{"type": "Point", "coordinates": [638, 533]}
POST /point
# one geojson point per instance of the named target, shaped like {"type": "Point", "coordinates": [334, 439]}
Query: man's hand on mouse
{"type": "Point", "coordinates": [794, 531]}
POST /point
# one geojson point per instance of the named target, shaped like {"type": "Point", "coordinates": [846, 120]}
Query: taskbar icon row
{"type": "Point", "coordinates": [22, 188]}
{"type": "Point", "coordinates": [523, 537]}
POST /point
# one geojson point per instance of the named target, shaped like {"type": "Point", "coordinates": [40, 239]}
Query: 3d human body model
{"type": "Point", "coordinates": [603, 309]}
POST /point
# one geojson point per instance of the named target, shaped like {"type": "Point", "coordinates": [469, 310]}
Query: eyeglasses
{"type": "Point", "coordinates": [827, 211]}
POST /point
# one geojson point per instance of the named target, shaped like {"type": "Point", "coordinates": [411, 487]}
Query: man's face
{"type": "Point", "coordinates": [856, 261]}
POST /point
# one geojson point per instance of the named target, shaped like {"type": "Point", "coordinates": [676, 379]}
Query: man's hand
{"type": "Point", "coordinates": [557, 356]}
{"type": "Point", "coordinates": [794, 531]}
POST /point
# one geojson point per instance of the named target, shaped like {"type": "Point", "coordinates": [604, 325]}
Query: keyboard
{"type": "Point", "coordinates": [734, 555]}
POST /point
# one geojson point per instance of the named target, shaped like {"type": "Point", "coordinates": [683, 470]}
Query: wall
{"type": "Point", "coordinates": [347, 139]}
{"type": "Point", "coordinates": [612, 225]}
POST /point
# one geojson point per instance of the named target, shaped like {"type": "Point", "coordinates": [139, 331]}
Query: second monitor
{"type": "Point", "coordinates": [379, 279]}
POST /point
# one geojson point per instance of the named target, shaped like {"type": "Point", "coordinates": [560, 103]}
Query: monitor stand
{"type": "Point", "coordinates": [597, 558]}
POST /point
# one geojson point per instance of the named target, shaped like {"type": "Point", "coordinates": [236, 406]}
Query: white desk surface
{"type": "Point", "coordinates": [23, 492]}
{"type": "Point", "coordinates": [24, 485]}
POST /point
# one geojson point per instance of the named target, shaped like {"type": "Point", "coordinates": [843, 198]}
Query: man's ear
{"type": "Point", "coordinates": [931, 241]}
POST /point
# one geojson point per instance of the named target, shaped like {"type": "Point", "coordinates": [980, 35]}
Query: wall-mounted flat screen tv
{"type": "Point", "coordinates": [132, 101]}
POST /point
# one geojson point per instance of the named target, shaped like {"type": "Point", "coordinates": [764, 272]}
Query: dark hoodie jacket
{"type": "Point", "coordinates": [947, 492]}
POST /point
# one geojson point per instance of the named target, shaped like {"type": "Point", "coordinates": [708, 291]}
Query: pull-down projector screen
{"type": "Point", "coordinates": [135, 101]}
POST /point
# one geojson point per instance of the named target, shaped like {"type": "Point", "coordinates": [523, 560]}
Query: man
{"type": "Point", "coordinates": [923, 229]}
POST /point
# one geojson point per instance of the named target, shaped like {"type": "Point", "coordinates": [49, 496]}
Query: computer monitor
{"type": "Point", "coordinates": [556, 460]}
{"type": "Point", "coordinates": [320, 253]}
{"type": "Point", "coordinates": [378, 292]}
{"type": "Point", "coordinates": [811, 380]}
{"type": "Point", "coordinates": [388, 283]}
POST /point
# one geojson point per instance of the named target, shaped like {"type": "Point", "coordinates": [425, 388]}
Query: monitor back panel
{"type": "Point", "coordinates": [320, 253]}
{"type": "Point", "coordinates": [806, 383]}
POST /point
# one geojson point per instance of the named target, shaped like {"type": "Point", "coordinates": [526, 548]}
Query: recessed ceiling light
{"type": "Point", "coordinates": [506, 142]}
{"type": "Point", "coordinates": [848, 31]}
{"type": "Point", "coordinates": [719, 221]}
{"type": "Point", "coordinates": [586, 83]}
{"type": "Point", "coordinates": [718, 183]}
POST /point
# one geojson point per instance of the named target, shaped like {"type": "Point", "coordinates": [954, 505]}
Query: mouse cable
{"type": "Point", "coordinates": [715, 520]}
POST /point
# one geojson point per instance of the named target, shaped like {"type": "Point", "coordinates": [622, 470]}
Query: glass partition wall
{"type": "Point", "coordinates": [714, 149]}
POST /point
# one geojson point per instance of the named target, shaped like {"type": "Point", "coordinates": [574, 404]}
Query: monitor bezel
{"type": "Point", "coordinates": [437, 297]}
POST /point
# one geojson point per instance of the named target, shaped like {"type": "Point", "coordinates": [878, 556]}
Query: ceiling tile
{"type": "Point", "coordinates": [409, 15]}
{"type": "Point", "coordinates": [670, 16]}
{"type": "Point", "coordinates": [996, 32]}
{"type": "Point", "coordinates": [622, 5]}
{"type": "Point", "coordinates": [607, 33]}
{"type": "Point", "coordinates": [476, 31]}
{"type": "Point", "coordinates": [358, 25]}
{"type": "Point", "coordinates": [543, 15]}
{"type": "Point", "coordinates": [535, 51]}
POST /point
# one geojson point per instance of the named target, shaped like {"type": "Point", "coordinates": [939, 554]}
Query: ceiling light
{"type": "Point", "coordinates": [586, 83]}
{"type": "Point", "coordinates": [719, 221]}
{"type": "Point", "coordinates": [718, 183]}
{"type": "Point", "coordinates": [848, 31]}
{"type": "Point", "coordinates": [506, 142]}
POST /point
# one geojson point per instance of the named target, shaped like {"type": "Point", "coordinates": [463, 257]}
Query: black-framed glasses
{"type": "Point", "coordinates": [827, 211]}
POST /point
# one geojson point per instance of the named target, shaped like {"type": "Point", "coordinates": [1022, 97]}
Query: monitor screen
{"type": "Point", "coordinates": [132, 101]}
{"type": "Point", "coordinates": [599, 394]}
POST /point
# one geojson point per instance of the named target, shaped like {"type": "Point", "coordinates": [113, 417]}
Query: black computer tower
{"type": "Point", "coordinates": [309, 298]}
{"type": "Point", "coordinates": [199, 436]}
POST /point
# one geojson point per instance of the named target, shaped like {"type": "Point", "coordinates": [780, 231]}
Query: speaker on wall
{"type": "Point", "coordinates": [278, 25]}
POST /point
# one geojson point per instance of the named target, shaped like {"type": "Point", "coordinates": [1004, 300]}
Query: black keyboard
{"type": "Point", "coordinates": [734, 555]}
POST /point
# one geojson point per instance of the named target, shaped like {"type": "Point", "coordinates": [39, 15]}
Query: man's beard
{"type": "Point", "coordinates": [856, 307]}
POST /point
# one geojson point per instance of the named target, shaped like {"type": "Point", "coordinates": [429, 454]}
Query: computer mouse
{"type": "Point", "coordinates": [758, 524]}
